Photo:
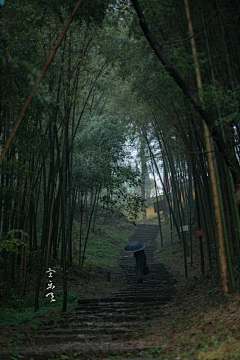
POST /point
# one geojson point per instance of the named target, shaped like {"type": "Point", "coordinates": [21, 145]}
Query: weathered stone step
{"type": "Point", "coordinates": [119, 307]}
{"type": "Point", "coordinates": [110, 316]}
{"type": "Point", "coordinates": [131, 299]}
{"type": "Point", "coordinates": [83, 352]}
{"type": "Point", "coordinates": [92, 324]}
{"type": "Point", "coordinates": [102, 314]}
{"type": "Point", "coordinates": [149, 263]}
{"type": "Point", "coordinates": [144, 288]}
{"type": "Point", "coordinates": [62, 339]}
{"type": "Point", "coordinates": [116, 303]}
{"type": "Point", "coordinates": [147, 233]}
{"type": "Point", "coordinates": [127, 305]}
{"type": "Point", "coordinates": [149, 283]}
{"type": "Point", "coordinates": [152, 275]}
{"type": "Point", "coordinates": [143, 227]}
{"type": "Point", "coordinates": [131, 311]}
{"type": "Point", "coordinates": [89, 330]}
{"type": "Point", "coordinates": [149, 237]}
{"type": "Point", "coordinates": [153, 281]}
{"type": "Point", "coordinates": [145, 241]}
{"type": "Point", "coordinates": [155, 296]}
{"type": "Point", "coordinates": [152, 272]}
{"type": "Point", "coordinates": [148, 280]}
{"type": "Point", "coordinates": [160, 292]}
{"type": "Point", "coordinates": [146, 285]}
{"type": "Point", "coordinates": [102, 311]}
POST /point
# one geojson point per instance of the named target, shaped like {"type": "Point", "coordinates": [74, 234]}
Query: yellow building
{"type": "Point", "coordinates": [150, 211]}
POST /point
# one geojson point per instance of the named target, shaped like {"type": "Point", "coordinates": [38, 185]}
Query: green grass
{"type": "Point", "coordinates": [14, 317]}
{"type": "Point", "coordinates": [103, 248]}
{"type": "Point", "coordinates": [169, 252]}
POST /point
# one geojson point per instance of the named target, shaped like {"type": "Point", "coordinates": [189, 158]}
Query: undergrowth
{"type": "Point", "coordinates": [11, 316]}
{"type": "Point", "coordinates": [102, 250]}
{"type": "Point", "coordinates": [103, 245]}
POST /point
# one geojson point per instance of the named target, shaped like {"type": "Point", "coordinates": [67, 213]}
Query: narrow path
{"type": "Point", "coordinates": [100, 327]}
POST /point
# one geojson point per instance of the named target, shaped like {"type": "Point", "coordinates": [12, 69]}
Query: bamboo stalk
{"type": "Point", "coordinates": [30, 97]}
{"type": "Point", "coordinates": [190, 208]}
{"type": "Point", "coordinates": [158, 211]}
{"type": "Point", "coordinates": [199, 223]}
{"type": "Point", "coordinates": [89, 225]}
{"type": "Point", "coordinates": [80, 235]}
{"type": "Point", "coordinates": [217, 208]}
{"type": "Point", "coordinates": [203, 215]}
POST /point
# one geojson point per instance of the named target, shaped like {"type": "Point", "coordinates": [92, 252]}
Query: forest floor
{"type": "Point", "coordinates": [197, 324]}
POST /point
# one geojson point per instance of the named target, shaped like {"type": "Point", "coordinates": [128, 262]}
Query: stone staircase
{"type": "Point", "coordinates": [100, 327]}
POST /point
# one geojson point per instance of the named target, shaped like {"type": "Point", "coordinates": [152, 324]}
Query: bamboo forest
{"type": "Point", "coordinates": [119, 139]}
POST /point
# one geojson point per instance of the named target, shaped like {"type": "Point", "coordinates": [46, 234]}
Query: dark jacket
{"type": "Point", "coordinates": [140, 256]}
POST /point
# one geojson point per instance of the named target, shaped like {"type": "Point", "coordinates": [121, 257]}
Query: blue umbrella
{"type": "Point", "coordinates": [133, 247]}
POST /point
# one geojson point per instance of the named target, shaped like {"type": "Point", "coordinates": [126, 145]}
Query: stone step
{"type": "Point", "coordinates": [93, 330]}
{"type": "Point", "coordinates": [126, 305]}
{"type": "Point", "coordinates": [116, 303]}
{"type": "Point", "coordinates": [110, 316]}
{"type": "Point", "coordinates": [155, 269]}
{"type": "Point", "coordinates": [150, 237]}
{"type": "Point", "coordinates": [148, 291]}
{"type": "Point", "coordinates": [102, 309]}
{"type": "Point", "coordinates": [127, 311]}
{"type": "Point", "coordinates": [124, 299]}
{"type": "Point", "coordinates": [156, 295]}
{"type": "Point", "coordinates": [93, 350]}
{"type": "Point", "coordinates": [99, 325]}
{"type": "Point", "coordinates": [145, 240]}
{"type": "Point", "coordinates": [130, 262]}
{"type": "Point", "coordinates": [105, 312]}
{"type": "Point", "coordinates": [61, 339]}
{"type": "Point", "coordinates": [106, 305]}
{"type": "Point", "coordinates": [149, 278]}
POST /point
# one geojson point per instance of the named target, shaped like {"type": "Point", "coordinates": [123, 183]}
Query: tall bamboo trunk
{"type": "Point", "coordinates": [158, 211]}
{"type": "Point", "coordinates": [89, 226]}
{"type": "Point", "coordinates": [30, 97]}
{"type": "Point", "coordinates": [217, 208]}
{"type": "Point", "coordinates": [144, 172]}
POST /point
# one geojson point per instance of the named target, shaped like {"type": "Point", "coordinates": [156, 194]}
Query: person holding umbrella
{"type": "Point", "coordinates": [140, 263]}
{"type": "Point", "coordinates": [140, 256]}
